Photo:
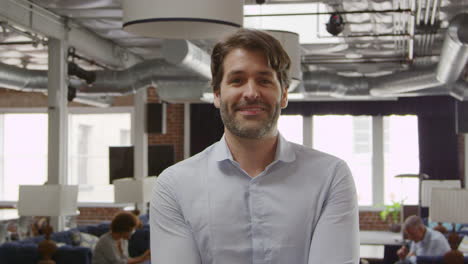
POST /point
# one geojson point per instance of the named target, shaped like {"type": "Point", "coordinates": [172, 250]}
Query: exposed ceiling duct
{"type": "Point", "coordinates": [452, 61]}
{"type": "Point", "coordinates": [187, 55]}
{"type": "Point", "coordinates": [454, 55]}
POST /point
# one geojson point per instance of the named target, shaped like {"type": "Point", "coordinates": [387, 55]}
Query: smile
{"type": "Point", "coordinates": [250, 110]}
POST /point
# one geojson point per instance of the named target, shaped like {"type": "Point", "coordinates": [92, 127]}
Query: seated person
{"type": "Point", "coordinates": [425, 242]}
{"type": "Point", "coordinates": [112, 247]}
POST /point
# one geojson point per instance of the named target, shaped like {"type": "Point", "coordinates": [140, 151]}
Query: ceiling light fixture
{"type": "Point", "coordinates": [179, 19]}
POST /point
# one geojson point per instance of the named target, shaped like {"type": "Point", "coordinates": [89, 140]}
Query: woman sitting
{"type": "Point", "coordinates": [112, 247]}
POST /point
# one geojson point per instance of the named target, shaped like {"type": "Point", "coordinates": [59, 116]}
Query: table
{"type": "Point", "coordinates": [380, 238]}
{"type": "Point", "coordinates": [380, 245]}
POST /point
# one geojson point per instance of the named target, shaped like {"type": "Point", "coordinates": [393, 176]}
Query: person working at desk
{"type": "Point", "coordinates": [425, 241]}
{"type": "Point", "coordinates": [253, 197]}
{"type": "Point", "coordinates": [112, 247]}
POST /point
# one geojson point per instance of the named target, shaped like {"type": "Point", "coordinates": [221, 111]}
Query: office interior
{"type": "Point", "coordinates": [378, 83]}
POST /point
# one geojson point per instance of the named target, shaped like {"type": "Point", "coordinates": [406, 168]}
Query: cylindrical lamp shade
{"type": "Point", "coordinates": [181, 19]}
{"type": "Point", "coordinates": [449, 205]}
{"type": "Point", "coordinates": [133, 190]}
{"type": "Point", "coordinates": [47, 200]}
{"type": "Point", "coordinates": [290, 43]}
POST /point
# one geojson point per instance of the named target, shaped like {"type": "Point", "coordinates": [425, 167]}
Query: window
{"type": "Point", "coordinates": [90, 136]}
{"type": "Point", "coordinates": [23, 152]}
{"type": "Point", "coordinates": [349, 138]}
{"type": "Point", "coordinates": [401, 156]}
{"type": "Point", "coordinates": [290, 127]}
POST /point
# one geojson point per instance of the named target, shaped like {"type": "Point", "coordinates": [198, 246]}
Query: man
{"type": "Point", "coordinates": [254, 197]}
{"type": "Point", "coordinates": [425, 242]}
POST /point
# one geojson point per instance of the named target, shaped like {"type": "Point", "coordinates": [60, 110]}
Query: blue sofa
{"type": "Point", "coordinates": [434, 260]}
{"type": "Point", "coordinates": [25, 251]}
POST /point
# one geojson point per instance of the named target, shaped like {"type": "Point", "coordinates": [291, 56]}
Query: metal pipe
{"type": "Point", "coordinates": [434, 11]}
{"type": "Point", "coordinates": [331, 13]}
{"type": "Point", "coordinates": [418, 12]}
{"type": "Point", "coordinates": [427, 12]}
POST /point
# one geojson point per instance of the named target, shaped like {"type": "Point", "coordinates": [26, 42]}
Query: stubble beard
{"type": "Point", "coordinates": [263, 129]}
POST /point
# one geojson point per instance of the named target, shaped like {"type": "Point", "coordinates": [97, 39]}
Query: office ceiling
{"type": "Point", "coordinates": [384, 46]}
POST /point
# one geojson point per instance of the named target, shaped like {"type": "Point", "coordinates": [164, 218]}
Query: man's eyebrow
{"type": "Point", "coordinates": [231, 73]}
{"type": "Point", "coordinates": [268, 73]}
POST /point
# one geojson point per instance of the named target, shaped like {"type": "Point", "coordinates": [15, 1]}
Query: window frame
{"type": "Point", "coordinates": [71, 110]}
{"type": "Point", "coordinates": [378, 188]}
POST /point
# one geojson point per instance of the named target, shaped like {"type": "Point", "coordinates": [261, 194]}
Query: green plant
{"type": "Point", "coordinates": [391, 212]}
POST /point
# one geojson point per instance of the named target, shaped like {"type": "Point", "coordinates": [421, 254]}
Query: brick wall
{"type": "Point", "coordinates": [175, 127]}
{"type": "Point", "coordinates": [95, 215]}
{"type": "Point", "coordinates": [370, 220]}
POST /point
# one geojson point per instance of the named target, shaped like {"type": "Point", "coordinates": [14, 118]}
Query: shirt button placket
{"type": "Point", "coordinates": [257, 246]}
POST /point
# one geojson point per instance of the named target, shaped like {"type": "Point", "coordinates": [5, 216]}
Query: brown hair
{"type": "Point", "coordinates": [253, 40]}
{"type": "Point", "coordinates": [123, 222]}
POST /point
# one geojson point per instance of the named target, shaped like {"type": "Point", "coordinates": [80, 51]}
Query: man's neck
{"type": "Point", "coordinates": [253, 155]}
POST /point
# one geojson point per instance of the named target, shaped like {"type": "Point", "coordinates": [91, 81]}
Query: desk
{"type": "Point", "coordinates": [8, 214]}
{"type": "Point", "coordinates": [380, 245]}
{"type": "Point", "coordinates": [380, 238]}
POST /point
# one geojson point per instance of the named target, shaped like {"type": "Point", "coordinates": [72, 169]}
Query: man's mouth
{"type": "Point", "coordinates": [250, 110]}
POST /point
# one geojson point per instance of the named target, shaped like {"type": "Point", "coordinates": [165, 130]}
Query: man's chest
{"type": "Point", "coordinates": [242, 217]}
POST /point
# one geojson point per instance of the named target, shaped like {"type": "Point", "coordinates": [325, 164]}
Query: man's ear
{"type": "Point", "coordinates": [284, 98]}
{"type": "Point", "coordinates": [216, 99]}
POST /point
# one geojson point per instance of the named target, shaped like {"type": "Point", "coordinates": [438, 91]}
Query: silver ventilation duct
{"type": "Point", "coordinates": [321, 83]}
{"type": "Point", "coordinates": [454, 54]}
{"type": "Point", "coordinates": [172, 82]}
{"type": "Point", "coordinates": [187, 55]}
{"type": "Point", "coordinates": [452, 61]}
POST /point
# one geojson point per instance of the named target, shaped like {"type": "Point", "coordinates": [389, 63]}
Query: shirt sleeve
{"type": "Point", "coordinates": [336, 236]}
{"type": "Point", "coordinates": [439, 246]}
{"type": "Point", "coordinates": [106, 252]}
{"type": "Point", "coordinates": [171, 237]}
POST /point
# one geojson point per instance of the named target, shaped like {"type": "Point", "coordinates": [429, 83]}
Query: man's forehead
{"type": "Point", "coordinates": [242, 71]}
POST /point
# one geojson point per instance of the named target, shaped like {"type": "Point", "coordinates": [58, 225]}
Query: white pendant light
{"type": "Point", "coordinates": [290, 42]}
{"type": "Point", "coordinates": [182, 19]}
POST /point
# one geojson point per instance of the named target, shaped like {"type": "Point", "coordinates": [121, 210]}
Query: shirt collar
{"type": "Point", "coordinates": [284, 150]}
{"type": "Point", "coordinates": [427, 236]}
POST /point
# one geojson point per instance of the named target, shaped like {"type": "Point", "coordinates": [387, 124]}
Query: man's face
{"type": "Point", "coordinates": [415, 233]}
{"type": "Point", "coordinates": [250, 95]}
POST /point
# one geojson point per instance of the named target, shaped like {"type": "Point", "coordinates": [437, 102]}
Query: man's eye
{"type": "Point", "coordinates": [265, 81]}
{"type": "Point", "coordinates": [235, 81]}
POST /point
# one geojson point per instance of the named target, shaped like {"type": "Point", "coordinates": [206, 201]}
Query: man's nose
{"type": "Point", "coordinates": [251, 91]}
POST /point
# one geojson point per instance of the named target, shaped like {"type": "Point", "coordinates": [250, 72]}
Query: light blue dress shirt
{"type": "Point", "coordinates": [302, 209]}
{"type": "Point", "coordinates": [433, 244]}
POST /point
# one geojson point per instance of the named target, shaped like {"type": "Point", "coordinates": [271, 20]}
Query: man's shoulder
{"type": "Point", "coordinates": [187, 167]}
{"type": "Point", "coordinates": [310, 154]}
{"type": "Point", "coordinates": [435, 235]}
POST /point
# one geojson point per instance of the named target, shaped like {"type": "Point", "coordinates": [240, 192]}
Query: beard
{"type": "Point", "coordinates": [238, 127]}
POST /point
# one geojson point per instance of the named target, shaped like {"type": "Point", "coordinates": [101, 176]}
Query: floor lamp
{"type": "Point", "coordinates": [421, 177]}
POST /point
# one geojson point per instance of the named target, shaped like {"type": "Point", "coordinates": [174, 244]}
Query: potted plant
{"type": "Point", "coordinates": [391, 214]}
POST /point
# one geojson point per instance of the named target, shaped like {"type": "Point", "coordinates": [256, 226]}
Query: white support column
{"type": "Point", "coordinates": [307, 131]}
{"type": "Point", "coordinates": [377, 160]}
{"type": "Point", "coordinates": [58, 118]}
{"type": "Point", "coordinates": [465, 136]}
{"type": "Point", "coordinates": [2, 156]}
{"type": "Point", "coordinates": [186, 130]}
{"type": "Point", "coordinates": [140, 139]}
